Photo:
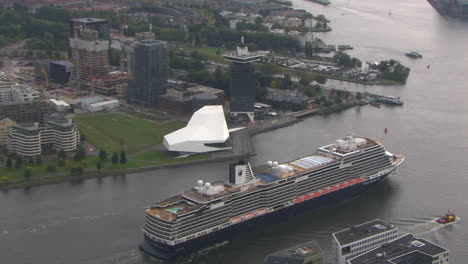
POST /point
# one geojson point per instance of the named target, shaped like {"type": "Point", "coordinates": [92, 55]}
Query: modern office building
{"type": "Point", "coordinates": [354, 241]}
{"type": "Point", "coordinates": [17, 93]}
{"type": "Point", "coordinates": [150, 72]}
{"type": "Point", "coordinates": [305, 253]}
{"type": "Point", "coordinates": [60, 71]}
{"type": "Point", "coordinates": [31, 139]}
{"type": "Point", "coordinates": [404, 250]}
{"type": "Point", "coordinates": [90, 56]}
{"type": "Point", "coordinates": [242, 84]}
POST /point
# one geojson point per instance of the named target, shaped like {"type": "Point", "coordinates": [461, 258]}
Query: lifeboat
{"type": "Point", "coordinates": [342, 185]}
{"type": "Point", "coordinates": [324, 191]}
{"type": "Point", "coordinates": [298, 200]}
{"type": "Point", "coordinates": [350, 182]}
{"type": "Point", "coordinates": [235, 220]}
{"type": "Point", "coordinates": [316, 194]}
{"type": "Point", "coordinates": [307, 197]}
{"type": "Point", "coordinates": [333, 188]}
{"type": "Point", "coordinates": [248, 216]}
{"type": "Point", "coordinates": [261, 211]}
{"type": "Point", "coordinates": [359, 180]}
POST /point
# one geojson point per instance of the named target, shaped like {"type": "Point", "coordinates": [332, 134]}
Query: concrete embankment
{"type": "Point", "coordinates": [99, 174]}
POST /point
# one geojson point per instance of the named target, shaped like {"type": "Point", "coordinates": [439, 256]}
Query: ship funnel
{"type": "Point", "coordinates": [240, 172]}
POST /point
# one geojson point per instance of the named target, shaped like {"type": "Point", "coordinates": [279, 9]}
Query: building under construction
{"type": "Point", "coordinates": [26, 112]}
{"type": "Point", "coordinates": [90, 54]}
{"type": "Point", "coordinates": [114, 83]}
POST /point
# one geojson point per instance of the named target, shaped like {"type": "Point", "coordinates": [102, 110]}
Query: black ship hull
{"type": "Point", "coordinates": [165, 252]}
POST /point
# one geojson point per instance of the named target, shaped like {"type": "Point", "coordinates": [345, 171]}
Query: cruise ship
{"type": "Point", "coordinates": [210, 214]}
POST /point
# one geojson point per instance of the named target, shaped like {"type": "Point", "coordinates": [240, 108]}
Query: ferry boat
{"type": "Point", "coordinates": [323, 2]}
{"type": "Point", "coordinates": [413, 54]}
{"type": "Point", "coordinates": [212, 213]}
{"type": "Point", "coordinates": [449, 217]}
{"type": "Point", "coordinates": [389, 100]}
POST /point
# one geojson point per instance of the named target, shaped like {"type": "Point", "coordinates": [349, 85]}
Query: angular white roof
{"type": "Point", "coordinates": [207, 126]}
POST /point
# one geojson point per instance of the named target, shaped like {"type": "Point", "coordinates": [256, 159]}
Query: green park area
{"type": "Point", "coordinates": [139, 139]}
{"type": "Point", "coordinates": [115, 132]}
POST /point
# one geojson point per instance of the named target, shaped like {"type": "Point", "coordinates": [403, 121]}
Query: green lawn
{"type": "Point", "coordinates": [109, 131]}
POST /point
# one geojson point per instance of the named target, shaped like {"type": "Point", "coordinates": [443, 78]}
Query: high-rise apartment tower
{"type": "Point", "coordinates": [150, 72]}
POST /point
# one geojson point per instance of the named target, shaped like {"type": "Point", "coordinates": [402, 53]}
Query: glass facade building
{"type": "Point", "coordinates": [151, 72]}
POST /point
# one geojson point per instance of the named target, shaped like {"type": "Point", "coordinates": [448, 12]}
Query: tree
{"type": "Point", "coordinates": [4, 179]}
{"type": "Point", "coordinates": [28, 172]}
{"type": "Point", "coordinates": [8, 163]}
{"type": "Point", "coordinates": [38, 160]}
{"type": "Point", "coordinates": [358, 95]}
{"type": "Point", "coordinates": [61, 154]}
{"type": "Point", "coordinates": [79, 153]}
{"type": "Point", "coordinates": [304, 81]}
{"type": "Point", "coordinates": [30, 161]}
{"type": "Point", "coordinates": [115, 158]}
{"type": "Point", "coordinates": [123, 157]}
{"type": "Point", "coordinates": [114, 58]}
{"type": "Point", "coordinates": [61, 162]}
{"type": "Point", "coordinates": [309, 91]}
{"type": "Point", "coordinates": [321, 79]}
{"type": "Point", "coordinates": [259, 20]}
{"type": "Point", "coordinates": [99, 165]}
{"type": "Point", "coordinates": [102, 154]}
{"type": "Point", "coordinates": [18, 163]}
{"type": "Point", "coordinates": [51, 168]}
{"type": "Point", "coordinates": [76, 171]}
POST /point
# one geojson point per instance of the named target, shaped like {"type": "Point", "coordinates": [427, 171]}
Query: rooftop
{"type": "Point", "coordinates": [242, 55]}
{"type": "Point", "coordinates": [296, 254]}
{"type": "Point", "coordinates": [89, 20]}
{"type": "Point", "coordinates": [59, 102]}
{"type": "Point", "coordinates": [150, 42]}
{"type": "Point", "coordinates": [204, 89]}
{"type": "Point", "coordinates": [406, 249]}
{"type": "Point", "coordinates": [362, 231]}
{"type": "Point", "coordinates": [348, 145]}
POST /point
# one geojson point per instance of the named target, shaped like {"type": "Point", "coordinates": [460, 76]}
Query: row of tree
{"type": "Point", "coordinates": [393, 70]}
{"type": "Point", "coordinates": [16, 24]}
{"type": "Point", "coordinates": [343, 59]}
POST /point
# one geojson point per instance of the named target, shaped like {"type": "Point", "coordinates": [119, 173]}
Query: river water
{"type": "Point", "coordinates": [98, 221]}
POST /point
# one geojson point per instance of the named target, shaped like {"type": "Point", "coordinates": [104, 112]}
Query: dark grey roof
{"type": "Point", "coordinates": [63, 62]}
{"type": "Point", "coordinates": [362, 231]}
{"type": "Point", "coordinates": [297, 254]}
{"type": "Point", "coordinates": [89, 20]}
{"type": "Point", "coordinates": [406, 249]}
